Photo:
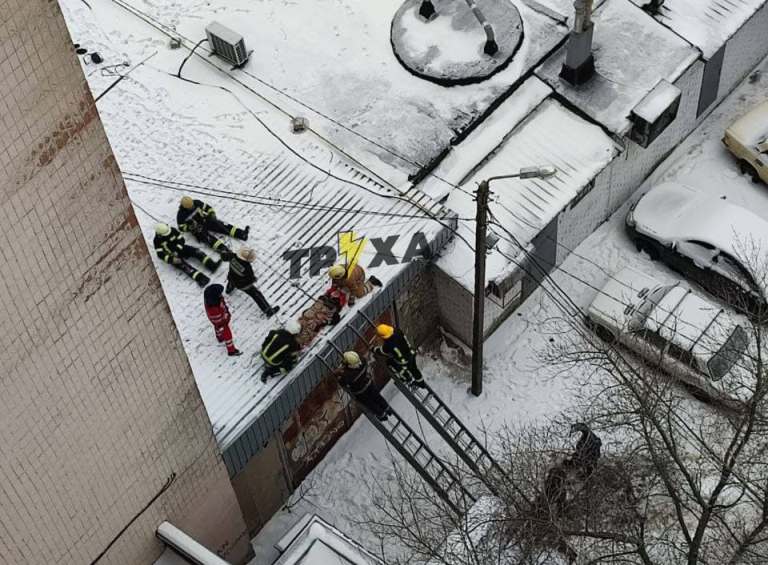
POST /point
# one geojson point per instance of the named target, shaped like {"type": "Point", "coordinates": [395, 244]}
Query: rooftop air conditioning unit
{"type": "Point", "coordinates": [227, 44]}
{"type": "Point", "coordinates": [654, 113]}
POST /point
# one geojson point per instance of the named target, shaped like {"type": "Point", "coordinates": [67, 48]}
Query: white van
{"type": "Point", "coordinates": [689, 338]}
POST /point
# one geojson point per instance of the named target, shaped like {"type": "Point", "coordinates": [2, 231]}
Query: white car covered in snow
{"type": "Point", "coordinates": [689, 338]}
{"type": "Point", "coordinates": [705, 238]}
{"type": "Point", "coordinates": [747, 139]}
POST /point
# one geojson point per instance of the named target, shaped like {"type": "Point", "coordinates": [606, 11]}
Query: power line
{"type": "Point", "coordinates": [256, 199]}
{"type": "Point", "coordinates": [175, 34]}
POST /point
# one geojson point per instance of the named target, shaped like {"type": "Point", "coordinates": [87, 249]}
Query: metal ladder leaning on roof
{"type": "Point", "coordinates": [454, 433]}
{"type": "Point", "coordinates": [413, 449]}
{"type": "Point", "coordinates": [450, 428]}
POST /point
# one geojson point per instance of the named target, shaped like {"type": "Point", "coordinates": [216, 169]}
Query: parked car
{"type": "Point", "coordinates": [747, 139]}
{"type": "Point", "coordinates": [705, 238]}
{"type": "Point", "coordinates": [689, 337]}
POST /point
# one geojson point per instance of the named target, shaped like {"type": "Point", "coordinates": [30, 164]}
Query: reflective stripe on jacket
{"type": "Point", "coordinates": [277, 345]}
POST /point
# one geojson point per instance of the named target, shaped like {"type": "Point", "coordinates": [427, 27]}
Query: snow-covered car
{"type": "Point", "coordinates": [747, 139]}
{"type": "Point", "coordinates": [690, 338]}
{"type": "Point", "coordinates": [705, 238]}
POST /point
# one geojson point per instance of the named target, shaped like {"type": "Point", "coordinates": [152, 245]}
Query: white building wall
{"type": "Point", "coordinates": [631, 167]}
{"type": "Point", "coordinates": [744, 50]}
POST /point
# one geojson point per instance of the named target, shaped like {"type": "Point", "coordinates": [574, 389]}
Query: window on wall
{"type": "Point", "coordinates": [710, 82]}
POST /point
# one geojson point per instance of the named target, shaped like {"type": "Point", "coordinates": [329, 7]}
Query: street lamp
{"type": "Point", "coordinates": [481, 245]}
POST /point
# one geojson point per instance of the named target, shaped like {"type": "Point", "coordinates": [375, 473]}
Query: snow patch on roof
{"type": "Point", "coordinates": [550, 135]}
{"type": "Point", "coordinates": [632, 53]}
{"type": "Point", "coordinates": [707, 24]}
{"type": "Point", "coordinates": [484, 139]}
{"type": "Point", "coordinates": [653, 105]}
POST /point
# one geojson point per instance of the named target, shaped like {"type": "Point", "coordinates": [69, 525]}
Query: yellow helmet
{"type": "Point", "coordinates": [187, 202]}
{"type": "Point", "coordinates": [162, 229]}
{"type": "Point", "coordinates": [351, 359]}
{"type": "Point", "coordinates": [337, 272]}
{"type": "Point", "coordinates": [385, 331]}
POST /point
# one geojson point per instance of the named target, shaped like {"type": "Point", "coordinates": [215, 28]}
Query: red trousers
{"type": "Point", "coordinates": [223, 333]}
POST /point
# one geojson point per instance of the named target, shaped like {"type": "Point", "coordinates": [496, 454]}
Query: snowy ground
{"type": "Point", "coordinates": [518, 389]}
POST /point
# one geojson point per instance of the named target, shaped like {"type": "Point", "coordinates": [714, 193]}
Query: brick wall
{"type": "Point", "coordinates": [98, 407]}
{"type": "Point", "coordinates": [455, 305]}
{"type": "Point", "coordinates": [417, 310]}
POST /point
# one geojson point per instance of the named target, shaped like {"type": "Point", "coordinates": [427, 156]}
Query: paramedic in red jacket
{"type": "Point", "coordinates": [218, 314]}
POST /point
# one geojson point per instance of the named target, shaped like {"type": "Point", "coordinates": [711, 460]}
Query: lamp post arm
{"type": "Point", "coordinates": [499, 177]}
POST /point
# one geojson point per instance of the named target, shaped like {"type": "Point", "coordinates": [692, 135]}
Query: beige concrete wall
{"type": "Point", "coordinates": [98, 406]}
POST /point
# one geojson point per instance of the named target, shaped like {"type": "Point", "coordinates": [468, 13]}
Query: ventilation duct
{"type": "Point", "coordinates": [579, 63]}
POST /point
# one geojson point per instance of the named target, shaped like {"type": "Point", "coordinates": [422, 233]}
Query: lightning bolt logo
{"type": "Point", "coordinates": [351, 248]}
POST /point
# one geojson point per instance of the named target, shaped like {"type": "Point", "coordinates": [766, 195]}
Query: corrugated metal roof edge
{"type": "Point", "coordinates": [252, 440]}
{"type": "Point", "coordinates": [665, 21]}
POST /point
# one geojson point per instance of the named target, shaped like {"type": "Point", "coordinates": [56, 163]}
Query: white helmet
{"type": "Point", "coordinates": [293, 327]}
{"type": "Point", "coordinates": [246, 254]}
{"type": "Point", "coordinates": [352, 359]}
{"type": "Point", "coordinates": [162, 229]}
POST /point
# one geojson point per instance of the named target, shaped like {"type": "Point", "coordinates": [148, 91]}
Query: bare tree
{"type": "Point", "coordinates": [683, 478]}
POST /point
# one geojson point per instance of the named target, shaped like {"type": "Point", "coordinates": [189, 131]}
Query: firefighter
{"type": "Point", "coordinates": [241, 277]}
{"type": "Point", "coordinates": [218, 313]}
{"type": "Point", "coordinates": [171, 247]}
{"type": "Point", "coordinates": [199, 219]}
{"type": "Point", "coordinates": [355, 378]}
{"type": "Point", "coordinates": [587, 450]}
{"type": "Point", "coordinates": [400, 357]}
{"type": "Point", "coordinates": [352, 281]}
{"type": "Point", "coordinates": [280, 350]}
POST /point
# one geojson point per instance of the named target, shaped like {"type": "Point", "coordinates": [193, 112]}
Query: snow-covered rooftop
{"type": "Point", "coordinates": [212, 139]}
{"type": "Point", "coordinates": [336, 58]}
{"type": "Point", "coordinates": [632, 54]}
{"type": "Point", "coordinates": [707, 24]}
{"type": "Point", "coordinates": [463, 158]}
{"type": "Point", "coordinates": [550, 135]}
{"type": "Point", "coordinates": [312, 541]}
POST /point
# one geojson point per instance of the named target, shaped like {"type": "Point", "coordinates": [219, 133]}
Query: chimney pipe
{"type": "Point", "coordinates": [579, 63]}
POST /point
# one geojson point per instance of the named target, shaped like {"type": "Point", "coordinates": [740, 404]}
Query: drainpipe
{"type": "Point", "coordinates": [579, 63]}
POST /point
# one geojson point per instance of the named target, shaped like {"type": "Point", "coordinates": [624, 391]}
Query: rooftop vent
{"type": "Point", "coordinates": [227, 44]}
{"type": "Point", "coordinates": [654, 113]}
{"type": "Point", "coordinates": [579, 63]}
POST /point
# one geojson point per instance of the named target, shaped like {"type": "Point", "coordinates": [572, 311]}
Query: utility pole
{"type": "Point", "coordinates": [481, 244]}
{"type": "Point", "coordinates": [478, 335]}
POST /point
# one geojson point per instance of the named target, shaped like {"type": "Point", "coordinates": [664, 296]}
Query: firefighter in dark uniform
{"type": "Point", "coordinates": [355, 378]}
{"type": "Point", "coordinates": [280, 350]}
{"type": "Point", "coordinates": [587, 450]}
{"type": "Point", "coordinates": [199, 219]}
{"type": "Point", "coordinates": [400, 357]}
{"type": "Point", "coordinates": [171, 247]}
{"type": "Point", "coordinates": [241, 277]}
